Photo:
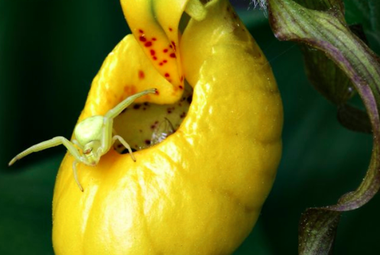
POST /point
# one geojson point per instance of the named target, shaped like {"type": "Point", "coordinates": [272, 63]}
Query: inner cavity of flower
{"type": "Point", "coordinates": [145, 124]}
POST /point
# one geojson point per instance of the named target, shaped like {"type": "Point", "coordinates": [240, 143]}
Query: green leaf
{"type": "Point", "coordinates": [323, 5]}
{"type": "Point", "coordinates": [319, 230]}
{"type": "Point", "coordinates": [326, 77]}
{"type": "Point", "coordinates": [319, 24]}
{"type": "Point", "coordinates": [354, 119]}
{"type": "Point", "coordinates": [334, 84]}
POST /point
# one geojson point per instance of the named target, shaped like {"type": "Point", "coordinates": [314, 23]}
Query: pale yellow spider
{"type": "Point", "coordinates": [93, 137]}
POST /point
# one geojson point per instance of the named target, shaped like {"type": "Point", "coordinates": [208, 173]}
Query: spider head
{"type": "Point", "coordinates": [91, 152]}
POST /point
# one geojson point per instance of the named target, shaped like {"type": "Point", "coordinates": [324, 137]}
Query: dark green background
{"type": "Point", "coordinates": [49, 53]}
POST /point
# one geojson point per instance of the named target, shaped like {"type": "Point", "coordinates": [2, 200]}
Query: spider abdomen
{"type": "Point", "coordinates": [89, 129]}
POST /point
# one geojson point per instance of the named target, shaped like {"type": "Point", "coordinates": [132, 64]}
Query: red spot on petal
{"type": "Point", "coordinates": [129, 89]}
{"type": "Point", "coordinates": [165, 61]}
{"type": "Point", "coordinates": [157, 92]}
{"type": "Point", "coordinates": [141, 31]}
{"type": "Point", "coordinates": [154, 58]}
{"type": "Point", "coordinates": [148, 44]}
{"type": "Point", "coordinates": [154, 39]}
{"type": "Point", "coordinates": [161, 63]}
{"type": "Point", "coordinates": [175, 48]}
{"type": "Point", "coordinates": [141, 74]}
{"type": "Point", "coordinates": [171, 46]}
{"type": "Point", "coordinates": [152, 52]}
{"type": "Point", "coordinates": [180, 87]}
{"type": "Point", "coordinates": [181, 78]}
{"type": "Point", "coordinates": [170, 29]}
{"type": "Point", "coordinates": [142, 38]}
{"type": "Point", "coordinates": [172, 55]}
{"type": "Point", "coordinates": [165, 50]}
{"type": "Point", "coordinates": [167, 75]}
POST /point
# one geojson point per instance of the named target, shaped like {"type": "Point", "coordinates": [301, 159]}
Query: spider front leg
{"type": "Point", "coordinates": [107, 139]}
{"type": "Point", "coordinates": [48, 144]}
{"type": "Point", "coordinates": [114, 112]}
{"type": "Point", "coordinates": [52, 143]}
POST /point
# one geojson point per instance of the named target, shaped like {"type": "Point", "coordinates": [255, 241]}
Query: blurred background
{"type": "Point", "coordinates": [51, 50]}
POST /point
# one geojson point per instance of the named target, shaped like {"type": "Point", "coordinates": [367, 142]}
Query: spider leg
{"type": "Point", "coordinates": [114, 112]}
{"type": "Point", "coordinates": [77, 144]}
{"type": "Point", "coordinates": [107, 139]}
{"type": "Point", "coordinates": [126, 145]}
{"type": "Point", "coordinates": [48, 144]}
{"type": "Point", "coordinates": [76, 175]}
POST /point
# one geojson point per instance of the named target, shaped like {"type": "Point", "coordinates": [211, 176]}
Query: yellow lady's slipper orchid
{"type": "Point", "coordinates": [200, 190]}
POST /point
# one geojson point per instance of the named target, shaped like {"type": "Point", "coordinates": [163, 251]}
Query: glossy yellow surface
{"type": "Point", "coordinates": [201, 190]}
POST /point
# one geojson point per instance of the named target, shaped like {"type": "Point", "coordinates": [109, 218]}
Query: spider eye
{"type": "Point", "coordinates": [87, 151]}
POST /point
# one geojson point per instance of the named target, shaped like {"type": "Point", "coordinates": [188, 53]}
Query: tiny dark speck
{"type": "Point", "coordinates": [147, 142]}
{"type": "Point", "coordinates": [136, 106]}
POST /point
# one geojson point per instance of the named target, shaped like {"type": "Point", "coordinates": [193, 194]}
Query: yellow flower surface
{"type": "Point", "coordinates": [200, 190]}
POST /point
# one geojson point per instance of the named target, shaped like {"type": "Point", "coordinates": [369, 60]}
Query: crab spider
{"type": "Point", "coordinates": [93, 137]}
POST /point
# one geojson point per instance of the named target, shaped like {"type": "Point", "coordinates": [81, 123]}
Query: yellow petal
{"type": "Point", "coordinates": [199, 191]}
{"type": "Point", "coordinates": [155, 26]}
{"type": "Point", "coordinates": [127, 71]}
